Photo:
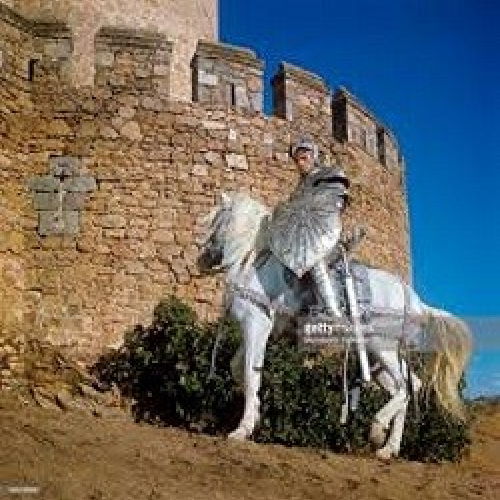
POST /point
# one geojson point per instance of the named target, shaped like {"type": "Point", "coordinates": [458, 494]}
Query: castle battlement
{"type": "Point", "coordinates": [141, 61]}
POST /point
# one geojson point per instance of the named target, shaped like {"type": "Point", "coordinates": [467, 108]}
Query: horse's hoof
{"type": "Point", "coordinates": [240, 434]}
{"type": "Point", "coordinates": [385, 454]}
{"type": "Point", "coordinates": [378, 434]}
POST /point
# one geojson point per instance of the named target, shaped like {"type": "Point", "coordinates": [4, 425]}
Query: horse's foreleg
{"type": "Point", "coordinates": [256, 330]}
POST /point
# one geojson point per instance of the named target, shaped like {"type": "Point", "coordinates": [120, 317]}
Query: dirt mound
{"type": "Point", "coordinates": [63, 438]}
{"type": "Point", "coordinates": [72, 455]}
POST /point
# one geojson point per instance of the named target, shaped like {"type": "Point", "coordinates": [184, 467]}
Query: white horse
{"type": "Point", "coordinates": [258, 291]}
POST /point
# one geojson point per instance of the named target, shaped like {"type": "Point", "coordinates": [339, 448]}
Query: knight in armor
{"type": "Point", "coordinates": [305, 229]}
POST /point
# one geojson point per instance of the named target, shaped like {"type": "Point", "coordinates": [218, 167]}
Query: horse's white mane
{"type": "Point", "coordinates": [238, 220]}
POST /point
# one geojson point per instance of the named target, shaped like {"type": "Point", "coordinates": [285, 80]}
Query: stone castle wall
{"type": "Point", "coordinates": [102, 187]}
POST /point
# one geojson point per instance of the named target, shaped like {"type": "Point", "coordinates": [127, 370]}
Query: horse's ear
{"type": "Point", "coordinates": [225, 198]}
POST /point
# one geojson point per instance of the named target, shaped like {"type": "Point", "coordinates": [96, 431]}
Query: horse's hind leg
{"type": "Point", "coordinates": [393, 445]}
{"type": "Point", "coordinates": [256, 329]}
{"type": "Point", "coordinates": [392, 378]}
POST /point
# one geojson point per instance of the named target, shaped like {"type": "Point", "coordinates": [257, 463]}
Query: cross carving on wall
{"type": "Point", "coordinates": [59, 196]}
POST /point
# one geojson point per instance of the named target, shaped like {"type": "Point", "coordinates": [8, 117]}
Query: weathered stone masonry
{"type": "Point", "coordinates": [102, 187]}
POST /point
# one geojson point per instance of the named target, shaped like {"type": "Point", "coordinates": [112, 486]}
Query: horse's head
{"type": "Point", "coordinates": [231, 231]}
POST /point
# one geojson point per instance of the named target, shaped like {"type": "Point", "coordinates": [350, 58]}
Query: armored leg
{"type": "Point", "coordinates": [325, 288]}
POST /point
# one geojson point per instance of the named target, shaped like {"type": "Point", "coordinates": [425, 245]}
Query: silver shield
{"type": "Point", "coordinates": [305, 229]}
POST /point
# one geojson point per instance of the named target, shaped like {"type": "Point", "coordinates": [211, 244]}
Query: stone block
{"type": "Point", "coordinates": [117, 122]}
{"type": "Point", "coordinates": [135, 268]}
{"type": "Point", "coordinates": [204, 94]}
{"type": "Point", "coordinates": [83, 184]}
{"type": "Point", "coordinates": [268, 139]}
{"type": "Point", "coordinates": [163, 236]}
{"type": "Point", "coordinates": [113, 221]}
{"type": "Point", "coordinates": [46, 201]}
{"type": "Point", "coordinates": [142, 72]}
{"type": "Point", "coordinates": [162, 86]}
{"type": "Point", "coordinates": [58, 223]}
{"type": "Point", "coordinates": [152, 103]}
{"type": "Point", "coordinates": [71, 221]}
{"type": "Point", "coordinates": [200, 170]}
{"type": "Point", "coordinates": [213, 158]}
{"type": "Point", "coordinates": [257, 100]}
{"type": "Point", "coordinates": [58, 49]}
{"type": "Point", "coordinates": [241, 97]}
{"type": "Point", "coordinates": [44, 183]}
{"type": "Point", "coordinates": [106, 59]}
{"type": "Point", "coordinates": [57, 128]}
{"type": "Point", "coordinates": [108, 133]}
{"type": "Point", "coordinates": [208, 79]}
{"type": "Point", "coordinates": [254, 84]}
{"type": "Point", "coordinates": [206, 65]}
{"type": "Point", "coordinates": [74, 201]}
{"type": "Point", "coordinates": [131, 130]}
{"type": "Point", "coordinates": [64, 166]}
{"type": "Point", "coordinates": [236, 161]}
{"type": "Point", "coordinates": [126, 112]}
{"type": "Point", "coordinates": [213, 125]}
{"type": "Point", "coordinates": [161, 70]}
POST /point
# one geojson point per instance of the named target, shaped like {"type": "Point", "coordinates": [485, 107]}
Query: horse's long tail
{"type": "Point", "coordinates": [451, 346]}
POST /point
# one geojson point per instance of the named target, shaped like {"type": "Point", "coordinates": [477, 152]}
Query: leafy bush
{"type": "Point", "coordinates": [164, 368]}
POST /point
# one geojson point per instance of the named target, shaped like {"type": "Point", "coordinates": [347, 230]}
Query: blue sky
{"type": "Point", "coordinates": [429, 69]}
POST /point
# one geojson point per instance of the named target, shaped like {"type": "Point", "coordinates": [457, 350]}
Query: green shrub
{"type": "Point", "coordinates": [164, 368]}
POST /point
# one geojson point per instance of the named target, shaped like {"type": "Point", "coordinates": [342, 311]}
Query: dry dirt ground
{"type": "Point", "coordinates": [74, 456]}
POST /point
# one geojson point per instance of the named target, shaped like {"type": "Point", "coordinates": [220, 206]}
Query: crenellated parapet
{"type": "Point", "coordinates": [388, 149]}
{"type": "Point", "coordinates": [354, 123]}
{"type": "Point", "coordinates": [301, 96]}
{"type": "Point", "coordinates": [184, 22]}
{"type": "Point", "coordinates": [138, 61]}
{"type": "Point", "coordinates": [52, 53]}
{"type": "Point", "coordinates": [227, 75]}
{"type": "Point", "coordinates": [133, 61]}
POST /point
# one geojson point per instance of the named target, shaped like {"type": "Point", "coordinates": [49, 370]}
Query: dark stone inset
{"type": "Point", "coordinates": [63, 166]}
{"type": "Point", "coordinates": [59, 197]}
{"type": "Point", "coordinates": [44, 184]}
{"type": "Point", "coordinates": [46, 201]}
{"type": "Point", "coordinates": [58, 223]}
{"type": "Point", "coordinates": [80, 184]}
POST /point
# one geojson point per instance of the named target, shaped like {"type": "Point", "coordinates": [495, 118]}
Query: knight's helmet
{"type": "Point", "coordinates": [307, 144]}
